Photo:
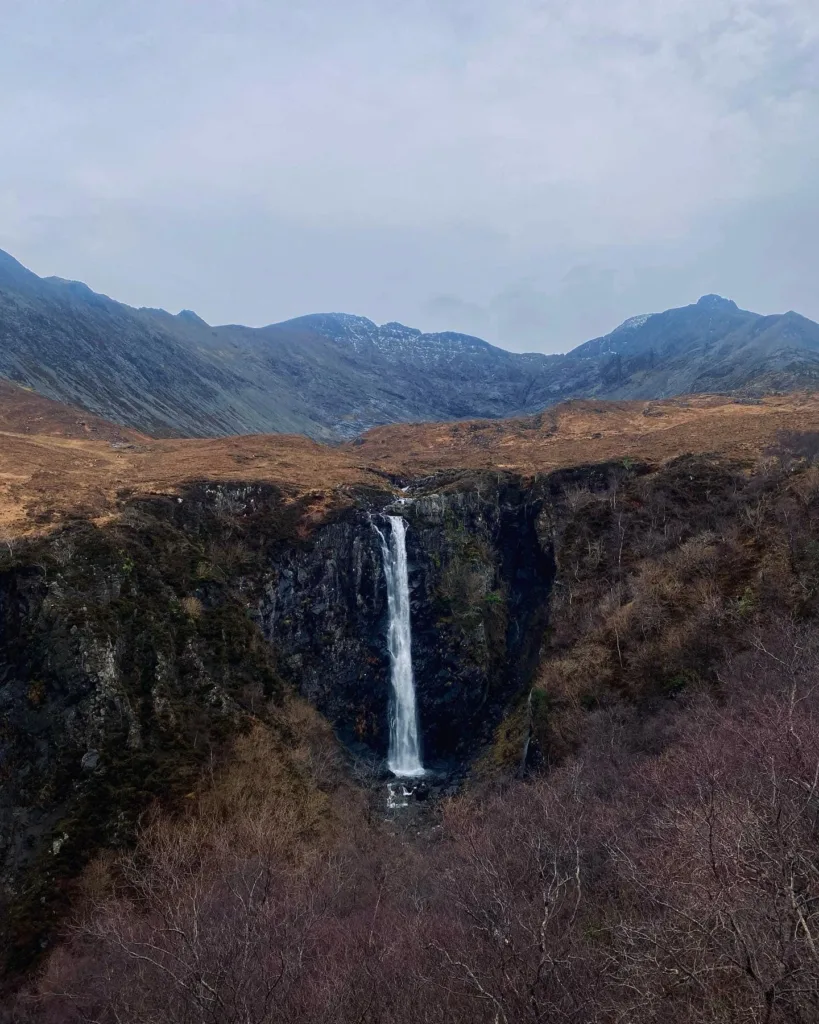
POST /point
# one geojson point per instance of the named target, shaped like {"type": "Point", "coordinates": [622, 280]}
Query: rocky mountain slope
{"type": "Point", "coordinates": [334, 376]}
{"type": "Point", "coordinates": [23, 411]}
{"type": "Point", "coordinates": [712, 346]}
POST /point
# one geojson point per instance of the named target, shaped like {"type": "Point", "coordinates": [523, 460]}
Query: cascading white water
{"type": "Point", "coordinates": [404, 757]}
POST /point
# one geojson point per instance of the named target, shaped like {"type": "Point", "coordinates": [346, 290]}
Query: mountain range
{"type": "Point", "coordinates": [335, 375]}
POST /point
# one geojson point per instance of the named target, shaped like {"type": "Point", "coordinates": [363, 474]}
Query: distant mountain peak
{"type": "Point", "coordinates": [331, 323]}
{"type": "Point", "coordinates": [79, 287]}
{"type": "Point", "coordinates": [394, 327]}
{"type": "Point", "coordinates": [191, 317]}
{"type": "Point", "coordinates": [716, 302]}
{"type": "Point", "coordinates": [633, 323]}
{"type": "Point", "coordinates": [7, 260]}
{"type": "Point", "coordinates": [13, 272]}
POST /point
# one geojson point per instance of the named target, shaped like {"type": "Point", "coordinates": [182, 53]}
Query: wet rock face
{"type": "Point", "coordinates": [325, 614]}
{"type": "Point", "coordinates": [480, 579]}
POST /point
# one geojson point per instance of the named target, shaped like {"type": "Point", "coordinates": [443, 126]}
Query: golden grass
{"type": "Point", "coordinates": [54, 466]}
{"type": "Point", "coordinates": [580, 432]}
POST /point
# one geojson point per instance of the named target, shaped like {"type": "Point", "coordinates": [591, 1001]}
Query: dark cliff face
{"type": "Point", "coordinates": [480, 579]}
{"type": "Point", "coordinates": [127, 660]}
{"type": "Point", "coordinates": [131, 654]}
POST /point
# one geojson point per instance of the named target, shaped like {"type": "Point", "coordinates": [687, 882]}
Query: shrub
{"type": "Point", "coordinates": [192, 607]}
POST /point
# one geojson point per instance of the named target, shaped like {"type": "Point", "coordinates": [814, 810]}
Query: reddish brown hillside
{"type": "Point", "coordinates": [590, 431]}
{"type": "Point", "coordinates": [23, 411]}
{"type": "Point", "coordinates": [58, 462]}
{"type": "Point", "coordinates": [44, 480]}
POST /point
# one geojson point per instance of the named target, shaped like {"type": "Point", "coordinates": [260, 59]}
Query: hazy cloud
{"type": "Point", "coordinates": [528, 169]}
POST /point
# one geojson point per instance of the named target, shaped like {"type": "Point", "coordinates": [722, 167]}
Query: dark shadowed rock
{"type": "Point", "coordinates": [480, 579]}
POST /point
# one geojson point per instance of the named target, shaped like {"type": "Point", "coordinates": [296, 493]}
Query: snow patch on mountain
{"type": "Point", "coordinates": [633, 323]}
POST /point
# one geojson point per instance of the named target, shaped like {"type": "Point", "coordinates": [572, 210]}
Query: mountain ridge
{"type": "Point", "coordinates": [332, 376]}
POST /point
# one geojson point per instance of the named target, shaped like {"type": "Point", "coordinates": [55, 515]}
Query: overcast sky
{"type": "Point", "coordinates": [533, 171]}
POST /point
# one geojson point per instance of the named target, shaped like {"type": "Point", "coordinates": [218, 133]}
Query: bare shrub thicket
{"type": "Point", "coordinates": [668, 872]}
{"type": "Point", "coordinates": [662, 573]}
{"type": "Point", "coordinates": [794, 446]}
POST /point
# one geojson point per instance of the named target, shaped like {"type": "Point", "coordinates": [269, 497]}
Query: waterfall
{"type": "Point", "coordinates": [404, 757]}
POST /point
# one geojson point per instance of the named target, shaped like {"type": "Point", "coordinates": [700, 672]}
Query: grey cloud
{"type": "Point", "coordinates": [527, 169]}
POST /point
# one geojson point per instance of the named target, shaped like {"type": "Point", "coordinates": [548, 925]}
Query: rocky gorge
{"type": "Point", "coordinates": [132, 652]}
{"type": "Point", "coordinates": [480, 577]}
